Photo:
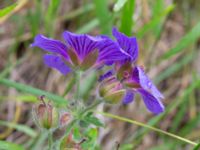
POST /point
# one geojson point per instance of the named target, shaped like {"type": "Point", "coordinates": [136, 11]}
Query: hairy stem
{"type": "Point", "coordinates": [78, 80]}
{"type": "Point", "coordinates": [50, 140]}
{"type": "Point", "coordinates": [147, 126]}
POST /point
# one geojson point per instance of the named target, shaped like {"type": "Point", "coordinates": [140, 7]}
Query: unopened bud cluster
{"type": "Point", "coordinates": [47, 116]}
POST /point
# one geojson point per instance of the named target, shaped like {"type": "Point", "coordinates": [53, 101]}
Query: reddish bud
{"type": "Point", "coordinates": [65, 118]}
{"type": "Point", "coordinates": [46, 115]}
{"type": "Point", "coordinates": [111, 90]}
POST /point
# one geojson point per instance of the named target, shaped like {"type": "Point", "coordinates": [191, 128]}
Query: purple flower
{"type": "Point", "coordinates": [127, 44]}
{"type": "Point", "coordinates": [80, 51]}
{"type": "Point", "coordinates": [141, 84]}
{"type": "Point", "coordinates": [134, 77]}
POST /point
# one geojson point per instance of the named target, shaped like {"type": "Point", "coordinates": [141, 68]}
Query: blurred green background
{"type": "Point", "coordinates": [168, 33]}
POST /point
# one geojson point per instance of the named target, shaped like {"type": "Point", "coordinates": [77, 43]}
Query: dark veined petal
{"type": "Point", "coordinates": [128, 44]}
{"type": "Point", "coordinates": [110, 51]}
{"type": "Point", "coordinates": [57, 63]}
{"type": "Point", "coordinates": [50, 45]}
{"type": "Point", "coordinates": [83, 44]}
{"type": "Point", "coordinates": [140, 77]}
{"type": "Point", "coordinates": [129, 97]}
{"type": "Point", "coordinates": [153, 104]}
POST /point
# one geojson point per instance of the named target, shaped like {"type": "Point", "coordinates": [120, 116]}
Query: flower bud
{"type": "Point", "coordinates": [111, 90]}
{"type": "Point", "coordinates": [64, 118]}
{"type": "Point", "coordinates": [68, 143]}
{"type": "Point", "coordinates": [46, 115]}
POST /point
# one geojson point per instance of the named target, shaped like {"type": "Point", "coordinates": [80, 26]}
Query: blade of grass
{"type": "Point", "coordinates": [158, 8]}
{"type": "Point", "coordinates": [179, 116]}
{"type": "Point", "coordinates": [174, 68]}
{"type": "Point", "coordinates": [82, 10]}
{"type": "Point", "coordinates": [50, 16]}
{"type": "Point", "coordinates": [103, 15]}
{"type": "Point", "coordinates": [187, 40]}
{"type": "Point", "coordinates": [69, 86]}
{"type": "Point", "coordinates": [7, 10]}
{"type": "Point", "coordinates": [34, 18]}
{"type": "Point", "coordinates": [89, 26]}
{"type": "Point", "coordinates": [190, 126]}
{"type": "Point", "coordinates": [28, 89]}
{"type": "Point", "coordinates": [127, 17]}
{"type": "Point", "coordinates": [119, 5]}
{"type": "Point", "coordinates": [4, 145]}
{"type": "Point", "coordinates": [155, 21]}
{"type": "Point", "coordinates": [147, 126]}
{"type": "Point", "coordinates": [19, 127]}
{"type": "Point", "coordinates": [38, 142]}
{"type": "Point", "coordinates": [20, 4]}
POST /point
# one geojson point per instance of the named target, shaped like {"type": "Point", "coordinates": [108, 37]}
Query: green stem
{"type": "Point", "coordinates": [78, 80]}
{"type": "Point", "coordinates": [147, 126]}
{"type": "Point", "coordinates": [69, 86]}
{"type": "Point", "coordinates": [97, 102]}
{"type": "Point", "coordinates": [50, 140]}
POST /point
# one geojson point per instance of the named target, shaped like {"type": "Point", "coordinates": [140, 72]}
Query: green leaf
{"type": "Point", "coordinates": [191, 125]}
{"type": "Point", "coordinates": [22, 128]}
{"type": "Point", "coordinates": [51, 14]}
{"type": "Point", "coordinates": [119, 4]}
{"type": "Point", "coordinates": [93, 120]}
{"type": "Point", "coordinates": [52, 8]}
{"type": "Point", "coordinates": [174, 68]}
{"type": "Point", "coordinates": [91, 135]}
{"type": "Point", "coordinates": [28, 89]}
{"type": "Point", "coordinates": [187, 40]}
{"type": "Point", "coordinates": [76, 134]}
{"type": "Point", "coordinates": [197, 147]}
{"type": "Point", "coordinates": [7, 10]}
{"type": "Point", "coordinates": [158, 8]}
{"type": "Point", "coordinates": [84, 123]}
{"type": "Point", "coordinates": [127, 17]}
{"type": "Point", "coordinates": [27, 98]}
{"type": "Point", "coordinates": [4, 145]}
{"type": "Point", "coordinates": [103, 15]}
{"type": "Point", "coordinates": [155, 21]}
{"type": "Point", "coordinates": [178, 117]}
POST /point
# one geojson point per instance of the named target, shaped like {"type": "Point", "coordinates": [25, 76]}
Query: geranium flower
{"type": "Point", "coordinates": [127, 44]}
{"type": "Point", "coordinates": [81, 51]}
{"type": "Point", "coordinates": [141, 84]}
{"type": "Point", "coordinates": [134, 77]}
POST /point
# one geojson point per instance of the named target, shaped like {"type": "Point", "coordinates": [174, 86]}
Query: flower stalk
{"type": "Point", "coordinates": [148, 126]}
{"type": "Point", "coordinates": [78, 75]}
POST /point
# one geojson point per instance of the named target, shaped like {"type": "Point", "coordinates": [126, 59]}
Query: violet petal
{"type": "Point", "coordinates": [110, 51]}
{"type": "Point", "coordinates": [153, 104]}
{"type": "Point", "coordinates": [50, 45]}
{"type": "Point", "coordinates": [128, 44]}
{"type": "Point", "coordinates": [140, 77]}
{"type": "Point", "coordinates": [129, 97]}
{"type": "Point", "coordinates": [57, 63]}
{"type": "Point", "coordinates": [83, 44]}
